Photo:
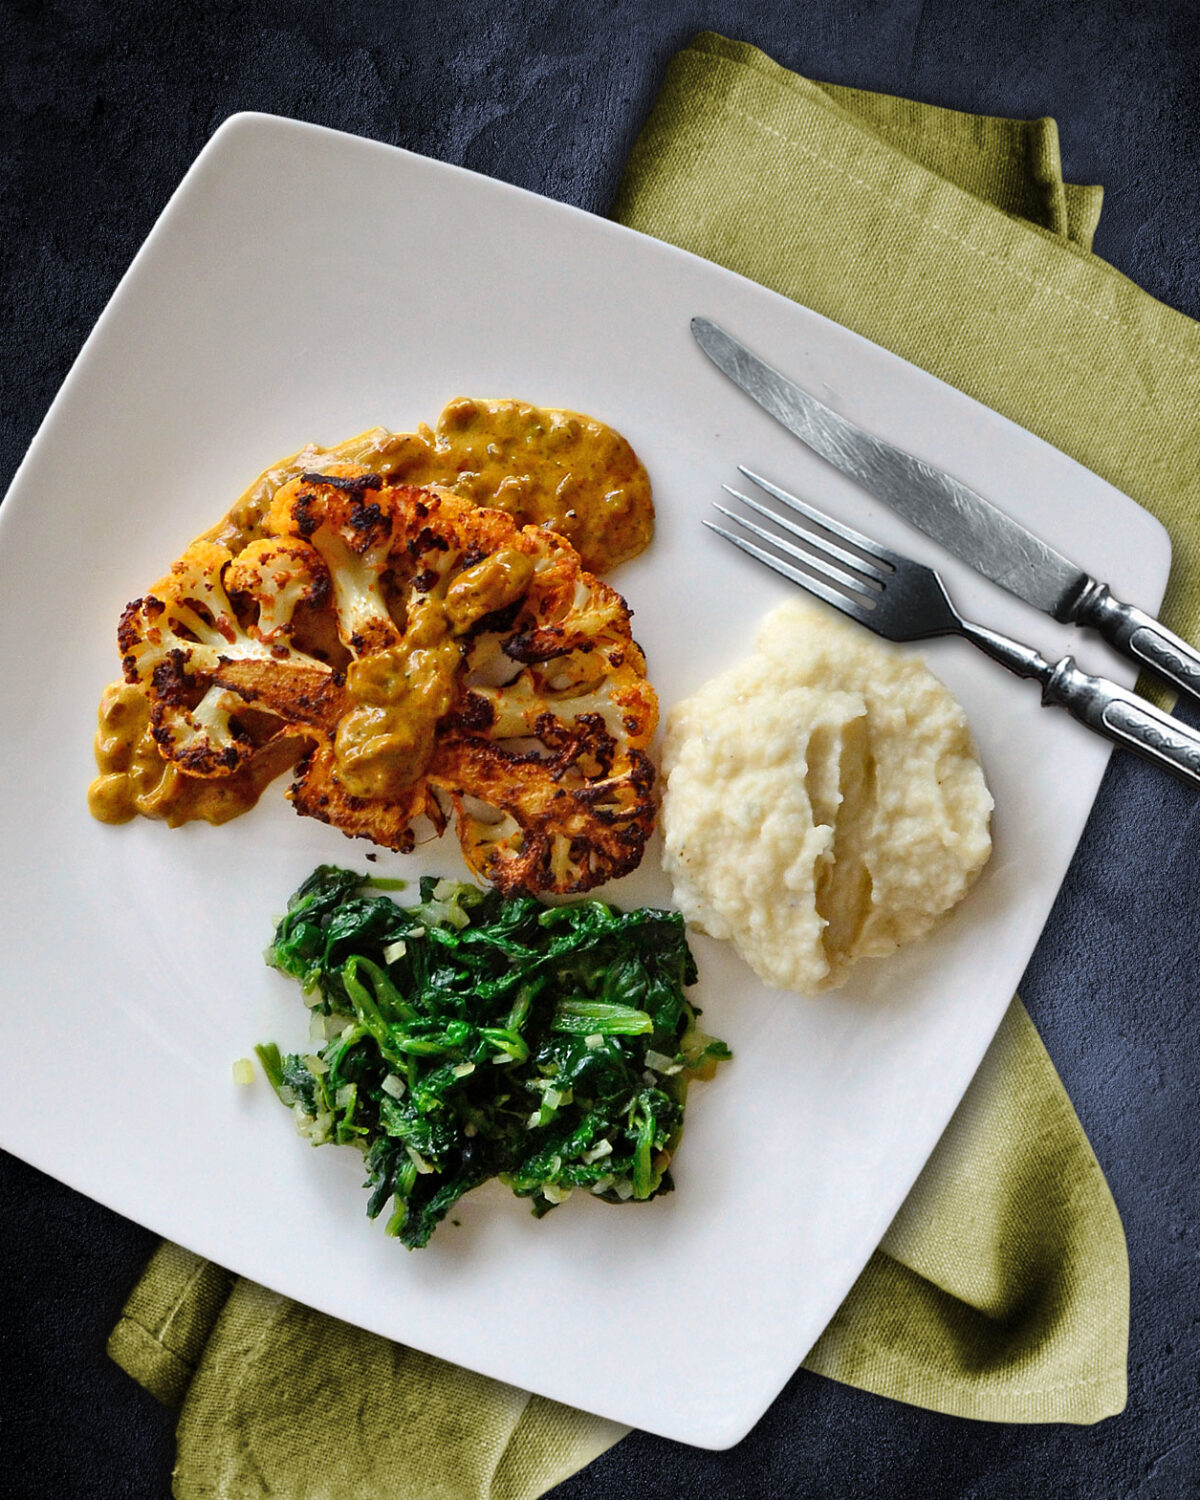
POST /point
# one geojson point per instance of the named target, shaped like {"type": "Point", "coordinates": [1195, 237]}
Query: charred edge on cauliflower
{"type": "Point", "coordinates": [351, 483]}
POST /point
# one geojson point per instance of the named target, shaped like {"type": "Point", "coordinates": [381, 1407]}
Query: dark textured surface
{"type": "Point", "coordinates": [105, 106]}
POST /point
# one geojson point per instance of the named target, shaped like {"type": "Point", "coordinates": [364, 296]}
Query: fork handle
{"type": "Point", "coordinates": [1124, 718]}
{"type": "Point", "coordinates": [1110, 710]}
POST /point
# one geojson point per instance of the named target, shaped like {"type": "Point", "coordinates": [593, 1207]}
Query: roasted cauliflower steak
{"type": "Point", "coordinates": [437, 659]}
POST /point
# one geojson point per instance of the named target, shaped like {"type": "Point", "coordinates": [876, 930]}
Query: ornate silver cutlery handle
{"type": "Point", "coordinates": [1134, 632]}
{"type": "Point", "coordinates": [1110, 710]}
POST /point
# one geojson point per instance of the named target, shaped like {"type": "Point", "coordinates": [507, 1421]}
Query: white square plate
{"type": "Point", "coordinates": [303, 285]}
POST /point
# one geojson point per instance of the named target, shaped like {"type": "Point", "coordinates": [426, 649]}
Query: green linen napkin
{"type": "Point", "coordinates": [1001, 1290]}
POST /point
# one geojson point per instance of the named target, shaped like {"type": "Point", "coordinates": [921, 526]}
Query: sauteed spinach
{"type": "Point", "coordinates": [475, 1035]}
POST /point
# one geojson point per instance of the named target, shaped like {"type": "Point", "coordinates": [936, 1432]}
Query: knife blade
{"type": "Point", "coordinates": [955, 515]}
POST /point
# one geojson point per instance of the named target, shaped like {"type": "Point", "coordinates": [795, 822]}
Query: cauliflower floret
{"type": "Point", "coordinates": [278, 574]}
{"type": "Point", "coordinates": [340, 515]}
{"type": "Point", "coordinates": [184, 643]}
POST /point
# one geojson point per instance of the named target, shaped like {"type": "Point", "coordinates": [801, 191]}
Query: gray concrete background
{"type": "Point", "coordinates": [104, 108]}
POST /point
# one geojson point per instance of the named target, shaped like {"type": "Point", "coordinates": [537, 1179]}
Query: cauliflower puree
{"type": "Point", "coordinates": [824, 802]}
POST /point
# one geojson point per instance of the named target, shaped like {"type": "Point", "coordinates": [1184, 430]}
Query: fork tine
{"type": "Point", "coordinates": [844, 602]}
{"type": "Point", "coordinates": [810, 538]}
{"type": "Point", "coordinates": [847, 533]}
{"type": "Point", "coordinates": [812, 560]}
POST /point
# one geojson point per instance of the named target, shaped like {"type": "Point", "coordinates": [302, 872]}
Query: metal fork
{"type": "Point", "coordinates": [905, 601]}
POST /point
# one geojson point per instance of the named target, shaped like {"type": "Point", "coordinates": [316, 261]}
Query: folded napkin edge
{"type": "Point", "coordinates": [1181, 333]}
{"type": "Point", "coordinates": [866, 1365]}
{"type": "Point", "coordinates": [148, 1361]}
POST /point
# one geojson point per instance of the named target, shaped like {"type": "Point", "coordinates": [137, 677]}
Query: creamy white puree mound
{"type": "Point", "coordinates": [823, 803]}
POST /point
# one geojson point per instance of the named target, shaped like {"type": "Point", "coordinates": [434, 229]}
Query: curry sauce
{"type": "Point", "coordinates": [545, 467]}
{"type": "Point", "coordinates": [135, 778]}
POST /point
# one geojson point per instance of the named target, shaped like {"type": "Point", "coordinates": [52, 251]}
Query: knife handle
{"type": "Point", "coordinates": [1139, 635]}
{"type": "Point", "coordinates": [1124, 718]}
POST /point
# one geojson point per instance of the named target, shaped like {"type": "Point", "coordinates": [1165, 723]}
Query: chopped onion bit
{"type": "Point", "coordinates": [660, 1063]}
{"type": "Point", "coordinates": [418, 1161]}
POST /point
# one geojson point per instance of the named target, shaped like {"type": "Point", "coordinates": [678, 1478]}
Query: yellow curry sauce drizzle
{"type": "Point", "coordinates": [550, 468]}
{"type": "Point", "coordinates": [385, 743]}
{"type": "Point", "coordinates": [134, 778]}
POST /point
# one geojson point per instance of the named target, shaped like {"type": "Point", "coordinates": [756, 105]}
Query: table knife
{"type": "Point", "coordinates": [955, 515]}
